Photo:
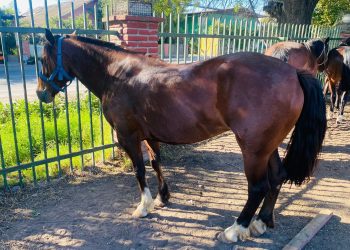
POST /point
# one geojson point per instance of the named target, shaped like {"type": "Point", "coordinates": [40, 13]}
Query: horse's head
{"type": "Point", "coordinates": [319, 48]}
{"type": "Point", "coordinates": [54, 74]}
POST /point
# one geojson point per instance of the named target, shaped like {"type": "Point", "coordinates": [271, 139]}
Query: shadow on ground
{"type": "Point", "coordinates": [208, 191]}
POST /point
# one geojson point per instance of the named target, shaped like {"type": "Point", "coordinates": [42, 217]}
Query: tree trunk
{"type": "Point", "coordinates": [291, 11]}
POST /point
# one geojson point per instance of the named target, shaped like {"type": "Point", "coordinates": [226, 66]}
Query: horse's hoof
{"type": "Point", "coordinates": [143, 209]}
{"type": "Point", "coordinates": [159, 203]}
{"type": "Point", "coordinates": [221, 237]}
{"type": "Point", "coordinates": [140, 212]}
{"type": "Point", "coordinates": [234, 233]}
{"type": "Point", "coordinates": [257, 227]}
{"type": "Point", "coordinates": [340, 118]}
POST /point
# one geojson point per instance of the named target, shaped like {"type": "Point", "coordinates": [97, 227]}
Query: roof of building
{"type": "Point", "coordinates": [39, 12]}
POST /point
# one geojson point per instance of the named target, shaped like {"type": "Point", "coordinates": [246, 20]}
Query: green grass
{"type": "Point", "coordinates": [8, 142]}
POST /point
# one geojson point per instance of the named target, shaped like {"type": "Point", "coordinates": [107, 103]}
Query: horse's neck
{"type": "Point", "coordinates": [88, 66]}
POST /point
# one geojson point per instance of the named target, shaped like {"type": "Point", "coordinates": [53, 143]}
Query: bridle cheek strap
{"type": "Point", "coordinates": [59, 71]}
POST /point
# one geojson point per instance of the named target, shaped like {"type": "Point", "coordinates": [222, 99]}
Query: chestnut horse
{"type": "Point", "coordinates": [259, 98]}
{"type": "Point", "coordinates": [309, 56]}
{"type": "Point", "coordinates": [337, 80]}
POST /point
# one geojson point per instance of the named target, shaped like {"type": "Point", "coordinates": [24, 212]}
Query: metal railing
{"type": "Point", "coordinates": [195, 37]}
{"type": "Point", "coordinates": [38, 151]}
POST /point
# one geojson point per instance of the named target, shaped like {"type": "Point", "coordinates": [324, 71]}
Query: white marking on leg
{"type": "Point", "coordinates": [233, 233]}
{"type": "Point", "coordinates": [257, 227]}
{"type": "Point", "coordinates": [146, 205]}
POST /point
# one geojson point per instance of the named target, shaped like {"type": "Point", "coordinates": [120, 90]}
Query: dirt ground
{"type": "Point", "coordinates": [93, 210]}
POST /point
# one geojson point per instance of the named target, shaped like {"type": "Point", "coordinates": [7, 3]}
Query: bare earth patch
{"type": "Point", "coordinates": [208, 187]}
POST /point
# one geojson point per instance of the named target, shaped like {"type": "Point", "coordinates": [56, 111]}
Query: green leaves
{"type": "Point", "coordinates": [330, 12]}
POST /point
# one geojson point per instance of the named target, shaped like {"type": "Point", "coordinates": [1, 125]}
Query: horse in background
{"type": "Point", "coordinates": [309, 56]}
{"type": "Point", "coordinates": [259, 98]}
{"type": "Point", "coordinates": [337, 80]}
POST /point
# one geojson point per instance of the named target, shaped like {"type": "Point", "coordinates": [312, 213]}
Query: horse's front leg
{"type": "Point", "coordinates": [163, 191]}
{"type": "Point", "coordinates": [255, 168]}
{"type": "Point", "coordinates": [132, 146]}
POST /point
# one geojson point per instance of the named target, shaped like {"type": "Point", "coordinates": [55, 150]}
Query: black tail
{"type": "Point", "coordinates": [307, 137]}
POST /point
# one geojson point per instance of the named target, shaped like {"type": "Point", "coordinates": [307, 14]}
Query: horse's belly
{"type": "Point", "coordinates": [185, 130]}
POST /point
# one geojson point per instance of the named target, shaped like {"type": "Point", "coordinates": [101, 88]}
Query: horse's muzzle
{"type": "Point", "coordinates": [44, 96]}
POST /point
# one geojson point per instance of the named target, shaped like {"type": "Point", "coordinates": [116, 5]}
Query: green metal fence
{"type": "Point", "coordinates": [42, 141]}
{"type": "Point", "coordinates": [196, 37]}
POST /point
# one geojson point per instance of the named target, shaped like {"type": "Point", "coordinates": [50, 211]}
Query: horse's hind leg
{"type": "Point", "coordinates": [344, 99]}
{"type": "Point", "coordinates": [276, 175]}
{"type": "Point", "coordinates": [163, 192]}
{"type": "Point", "coordinates": [132, 146]}
{"type": "Point", "coordinates": [255, 167]}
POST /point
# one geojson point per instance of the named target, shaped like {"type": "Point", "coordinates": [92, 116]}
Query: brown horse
{"type": "Point", "coordinates": [337, 80]}
{"type": "Point", "coordinates": [259, 98]}
{"type": "Point", "coordinates": [309, 56]}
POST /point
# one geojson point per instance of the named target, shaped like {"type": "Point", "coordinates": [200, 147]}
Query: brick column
{"type": "Point", "coordinates": [137, 33]}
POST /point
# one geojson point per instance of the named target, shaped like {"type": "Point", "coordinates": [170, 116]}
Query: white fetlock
{"type": "Point", "coordinates": [146, 205]}
{"type": "Point", "coordinates": [257, 227]}
{"type": "Point", "coordinates": [233, 233]}
{"type": "Point", "coordinates": [340, 118]}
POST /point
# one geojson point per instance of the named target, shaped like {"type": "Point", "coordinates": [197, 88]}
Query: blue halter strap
{"type": "Point", "coordinates": [58, 71]}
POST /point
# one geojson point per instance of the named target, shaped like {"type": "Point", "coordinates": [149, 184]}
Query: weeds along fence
{"type": "Point", "coordinates": [41, 141]}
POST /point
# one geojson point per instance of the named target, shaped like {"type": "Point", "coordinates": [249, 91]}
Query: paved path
{"type": "Point", "coordinates": [16, 83]}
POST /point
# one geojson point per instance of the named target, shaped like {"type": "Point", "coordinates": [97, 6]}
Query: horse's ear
{"type": "Point", "coordinates": [74, 33]}
{"type": "Point", "coordinates": [49, 37]}
{"type": "Point", "coordinates": [326, 40]}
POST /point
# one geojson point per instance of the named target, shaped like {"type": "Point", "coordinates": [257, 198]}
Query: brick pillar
{"type": "Point", "coordinates": [137, 33]}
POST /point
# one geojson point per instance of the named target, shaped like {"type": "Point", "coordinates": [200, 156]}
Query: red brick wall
{"type": "Point", "coordinates": [136, 33]}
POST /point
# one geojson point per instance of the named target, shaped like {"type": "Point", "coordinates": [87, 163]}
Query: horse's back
{"type": "Point", "coordinates": [293, 53]}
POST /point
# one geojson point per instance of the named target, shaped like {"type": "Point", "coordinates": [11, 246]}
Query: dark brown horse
{"type": "Point", "coordinates": [337, 80]}
{"type": "Point", "coordinates": [309, 56]}
{"type": "Point", "coordinates": [259, 98]}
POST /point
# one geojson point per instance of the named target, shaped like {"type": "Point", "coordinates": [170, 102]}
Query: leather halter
{"type": "Point", "coordinates": [59, 71]}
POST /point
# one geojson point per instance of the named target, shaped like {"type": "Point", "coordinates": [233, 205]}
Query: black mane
{"type": "Point", "coordinates": [101, 43]}
{"type": "Point", "coordinates": [316, 46]}
{"type": "Point", "coordinates": [281, 53]}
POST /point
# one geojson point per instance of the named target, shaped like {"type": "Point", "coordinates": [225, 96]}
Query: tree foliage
{"type": "Point", "coordinates": [330, 12]}
{"type": "Point", "coordinates": [9, 38]}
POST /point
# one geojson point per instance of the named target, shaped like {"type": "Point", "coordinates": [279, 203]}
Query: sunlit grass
{"type": "Point", "coordinates": [23, 155]}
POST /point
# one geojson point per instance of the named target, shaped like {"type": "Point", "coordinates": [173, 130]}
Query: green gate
{"type": "Point", "coordinates": [37, 141]}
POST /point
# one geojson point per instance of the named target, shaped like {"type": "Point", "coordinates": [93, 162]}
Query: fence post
{"type": "Point", "coordinates": [137, 33]}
